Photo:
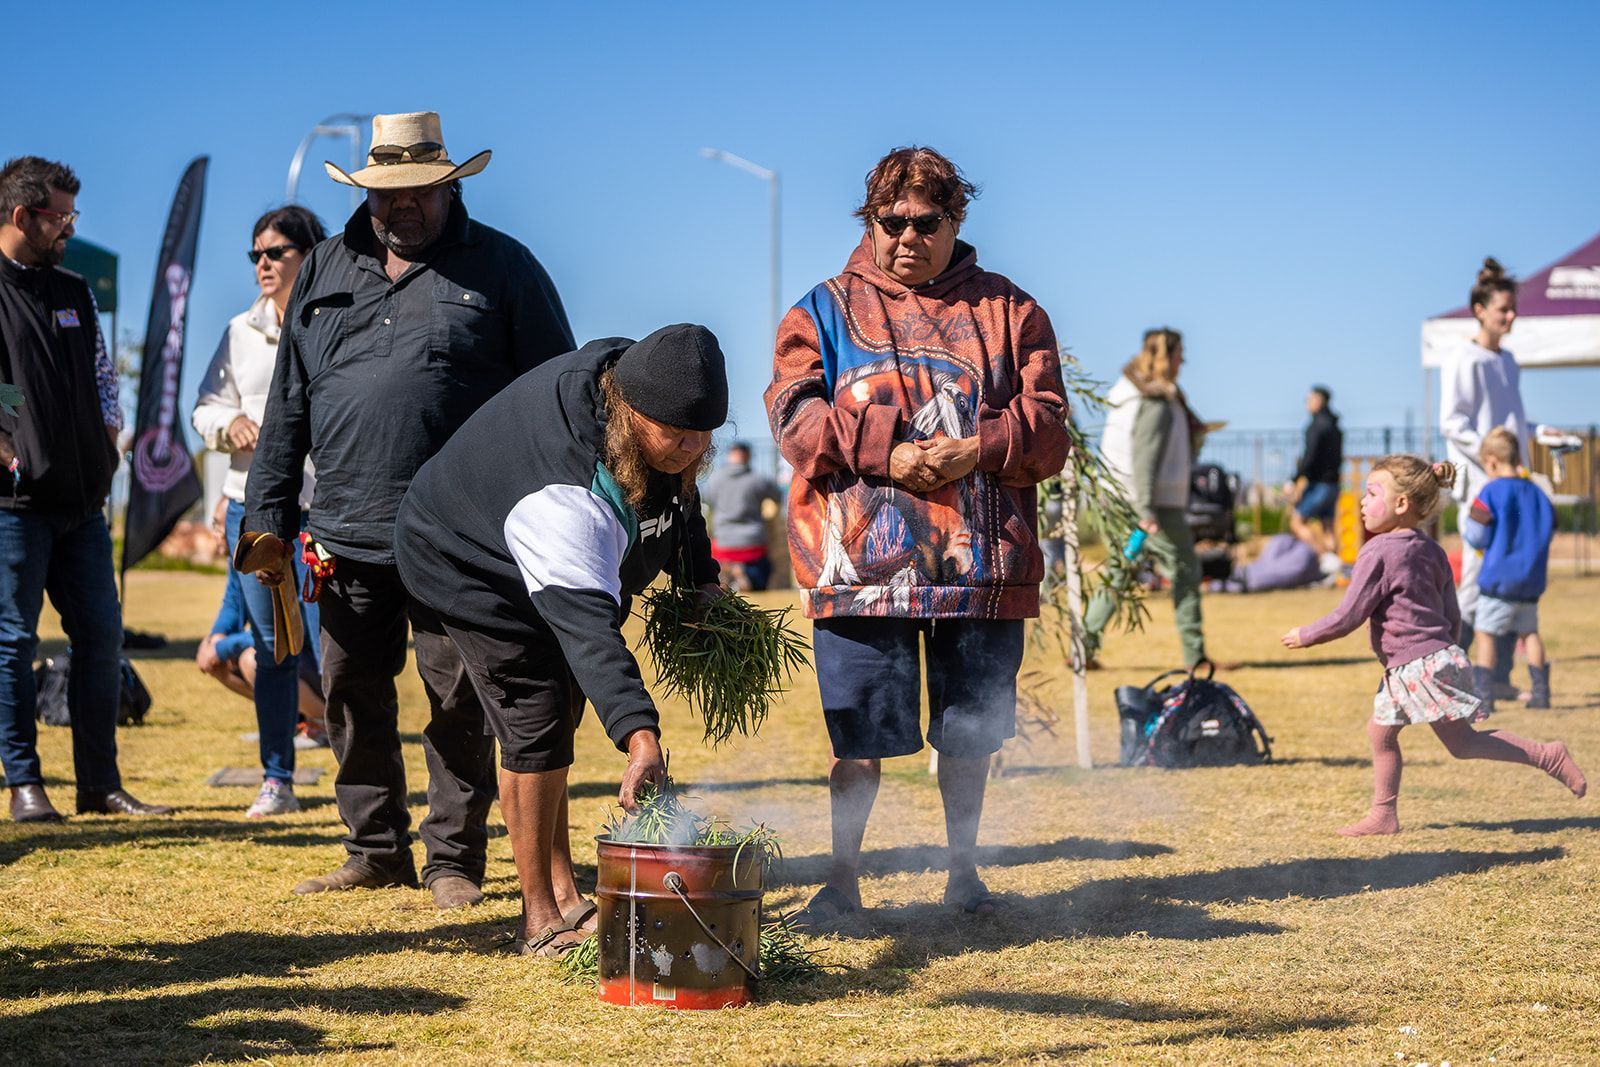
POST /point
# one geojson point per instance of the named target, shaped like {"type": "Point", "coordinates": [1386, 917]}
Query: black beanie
{"type": "Point", "coordinates": [676, 376]}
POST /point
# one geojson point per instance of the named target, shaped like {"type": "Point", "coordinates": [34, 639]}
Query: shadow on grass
{"type": "Point", "coordinates": [65, 967]}
{"type": "Point", "coordinates": [1212, 1024]}
{"type": "Point", "coordinates": [17, 841]}
{"type": "Point", "coordinates": [808, 870]}
{"type": "Point", "coordinates": [1324, 761]}
{"type": "Point", "coordinates": [180, 1028]}
{"type": "Point", "coordinates": [1526, 826]}
{"type": "Point", "coordinates": [1296, 664]}
{"type": "Point", "coordinates": [1175, 907]}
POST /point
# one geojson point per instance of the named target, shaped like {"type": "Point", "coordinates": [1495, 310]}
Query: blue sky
{"type": "Point", "coordinates": [1295, 186]}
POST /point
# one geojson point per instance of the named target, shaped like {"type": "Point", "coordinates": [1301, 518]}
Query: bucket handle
{"type": "Point", "coordinates": [674, 882]}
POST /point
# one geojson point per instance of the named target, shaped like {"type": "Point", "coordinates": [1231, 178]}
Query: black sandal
{"type": "Point", "coordinates": [544, 943]}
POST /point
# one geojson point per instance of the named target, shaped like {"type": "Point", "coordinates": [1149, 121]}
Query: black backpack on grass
{"type": "Point", "coordinates": [50, 682]}
{"type": "Point", "coordinates": [1197, 722]}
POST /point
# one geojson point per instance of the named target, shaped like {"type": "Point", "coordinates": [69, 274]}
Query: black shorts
{"type": "Point", "coordinates": [870, 680]}
{"type": "Point", "coordinates": [528, 693]}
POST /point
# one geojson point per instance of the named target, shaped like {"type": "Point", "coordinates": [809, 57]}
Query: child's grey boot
{"type": "Point", "coordinates": [1540, 696]}
{"type": "Point", "coordinates": [1483, 684]}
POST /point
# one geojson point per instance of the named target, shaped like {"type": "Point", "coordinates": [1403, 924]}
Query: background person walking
{"type": "Point", "coordinates": [1150, 441]}
{"type": "Point", "coordinates": [1314, 490]}
{"type": "Point", "coordinates": [738, 498]}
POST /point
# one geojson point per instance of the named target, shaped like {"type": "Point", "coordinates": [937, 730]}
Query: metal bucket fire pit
{"type": "Point", "coordinates": [680, 927]}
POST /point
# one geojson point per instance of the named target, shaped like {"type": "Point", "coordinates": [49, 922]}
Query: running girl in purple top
{"type": "Point", "coordinates": [1402, 583]}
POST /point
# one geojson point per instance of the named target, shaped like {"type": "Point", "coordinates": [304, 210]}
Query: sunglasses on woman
{"type": "Point", "coordinates": [895, 225]}
{"type": "Point", "coordinates": [275, 253]}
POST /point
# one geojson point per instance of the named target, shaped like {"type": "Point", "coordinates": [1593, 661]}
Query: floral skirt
{"type": "Point", "coordinates": [1431, 689]}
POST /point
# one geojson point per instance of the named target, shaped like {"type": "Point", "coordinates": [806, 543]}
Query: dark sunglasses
{"type": "Point", "coordinates": [421, 152]}
{"type": "Point", "coordinates": [895, 225]}
{"type": "Point", "coordinates": [275, 253]}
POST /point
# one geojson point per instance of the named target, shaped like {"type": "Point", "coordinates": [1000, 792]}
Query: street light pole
{"type": "Point", "coordinates": [769, 176]}
{"type": "Point", "coordinates": [344, 124]}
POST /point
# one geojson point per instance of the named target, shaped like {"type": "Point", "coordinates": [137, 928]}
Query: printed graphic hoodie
{"type": "Point", "coordinates": [863, 363]}
{"type": "Point", "coordinates": [516, 524]}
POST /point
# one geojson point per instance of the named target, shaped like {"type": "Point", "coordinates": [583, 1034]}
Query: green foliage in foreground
{"type": "Point", "coordinates": [783, 958]}
{"type": "Point", "coordinates": [1112, 594]}
{"type": "Point", "coordinates": [728, 658]}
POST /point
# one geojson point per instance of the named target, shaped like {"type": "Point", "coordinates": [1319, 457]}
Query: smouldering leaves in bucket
{"type": "Point", "coordinates": [727, 658]}
{"type": "Point", "coordinates": [662, 819]}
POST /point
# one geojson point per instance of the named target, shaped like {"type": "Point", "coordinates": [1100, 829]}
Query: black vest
{"type": "Point", "coordinates": [47, 349]}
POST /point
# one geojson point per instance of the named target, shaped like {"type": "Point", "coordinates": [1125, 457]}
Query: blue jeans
{"type": "Point", "coordinates": [277, 692]}
{"type": "Point", "coordinates": [71, 560]}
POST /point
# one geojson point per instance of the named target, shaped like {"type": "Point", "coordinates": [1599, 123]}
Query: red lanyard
{"type": "Point", "coordinates": [319, 565]}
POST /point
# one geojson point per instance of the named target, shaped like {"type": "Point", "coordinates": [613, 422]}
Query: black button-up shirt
{"type": "Point", "coordinates": [374, 376]}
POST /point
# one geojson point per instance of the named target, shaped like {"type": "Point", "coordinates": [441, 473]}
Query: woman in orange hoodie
{"type": "Point", "coordinates": [919, 399]}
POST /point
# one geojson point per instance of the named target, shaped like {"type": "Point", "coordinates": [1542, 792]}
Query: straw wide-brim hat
{"type": "Point", "coordinates": [412, 128]}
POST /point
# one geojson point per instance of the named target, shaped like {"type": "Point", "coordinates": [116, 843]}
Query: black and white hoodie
{"type": "Point", "coordinates": [517, 524]}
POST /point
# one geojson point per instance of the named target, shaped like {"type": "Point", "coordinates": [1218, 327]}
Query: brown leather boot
{"type": "Point", "coordinates": [355, 875]}
{"type": "Point", "coordinates": [30, 804]}
{"type": "Point", "coordinates": [454, 891]}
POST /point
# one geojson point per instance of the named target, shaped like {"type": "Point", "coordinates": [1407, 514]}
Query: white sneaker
{"type": "Point", "coordinates": [275, 798]}
{"type": "Point", "coordinates": [1330, 563]}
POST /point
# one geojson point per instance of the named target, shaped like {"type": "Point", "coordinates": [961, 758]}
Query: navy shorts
{"type": "Point", "coordinates": [870, 680]}
{"type": "Point", "coordinates": [529, 696]}
{"type": "Point", "coordinates": [1319, 501]}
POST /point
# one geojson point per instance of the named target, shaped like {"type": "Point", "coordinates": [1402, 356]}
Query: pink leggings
{"type": "Point", "coordinates": [1463, 742]}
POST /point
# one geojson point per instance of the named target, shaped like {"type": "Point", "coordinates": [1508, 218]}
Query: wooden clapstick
{"type": "Point", "coordinates": [267, 552]}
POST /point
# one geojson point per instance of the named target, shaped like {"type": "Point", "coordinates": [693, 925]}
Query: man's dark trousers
{"type": "Point", "coordinates": [71, 560]}
{"type": "Point", "coordinates": [365, 609]}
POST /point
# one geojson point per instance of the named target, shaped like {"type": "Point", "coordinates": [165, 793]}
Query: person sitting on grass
{"type": "Point", "coordinates": [228, 654]}
{"type": "Point", "coordinates": [1402, 582]}
{"type": "Point", "coordinates": [1511, 522]}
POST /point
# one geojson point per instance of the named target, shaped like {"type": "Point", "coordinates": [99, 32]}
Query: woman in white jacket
{"type": "Point", "coordinates": [1480, 389]}
{"type": "Point", "coordinates": [1150, 442]}
{"type": "Point", "coordinates": [233, 398]}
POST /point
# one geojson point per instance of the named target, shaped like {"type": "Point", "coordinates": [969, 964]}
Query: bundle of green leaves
{"type": "Point", "coordinates": [728, 658]}
{"type": "Point", "coordinates": [782, 957]}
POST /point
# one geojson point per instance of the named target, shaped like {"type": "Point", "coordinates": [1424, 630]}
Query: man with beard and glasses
{"type": "Point", "coordinates": [398, 330]}
{"type": "Point", "coordinates": [561, 499]}
{"type": "Point", "coordinates": [57, 454]}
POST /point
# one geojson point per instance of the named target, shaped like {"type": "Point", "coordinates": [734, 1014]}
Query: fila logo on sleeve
{"type": "Point", "coordinates": [659, 525]}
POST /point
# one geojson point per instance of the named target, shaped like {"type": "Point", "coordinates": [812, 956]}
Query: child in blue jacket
{"type": "Point", "coordinates": [1511, 522]}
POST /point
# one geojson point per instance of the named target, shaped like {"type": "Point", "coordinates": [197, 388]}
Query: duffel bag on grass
{"type": "Point", "coordinates": [50, 683]}
{"type": "Point", "coordinates": [1197, 722]}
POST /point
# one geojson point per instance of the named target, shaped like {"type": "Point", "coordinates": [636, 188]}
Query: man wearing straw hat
{"type": "Point", "coordinates": [398, 330]}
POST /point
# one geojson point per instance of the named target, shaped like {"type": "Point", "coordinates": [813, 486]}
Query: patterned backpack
{"type": "Point", "coordinates": [1197, 722]}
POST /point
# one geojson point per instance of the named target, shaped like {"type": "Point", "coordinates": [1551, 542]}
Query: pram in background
{"type": "Point", "coordinates": [1213, 497]}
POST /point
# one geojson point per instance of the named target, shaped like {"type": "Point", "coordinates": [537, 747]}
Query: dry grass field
{"type": "Point", "coordinates": [1207, 916]}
